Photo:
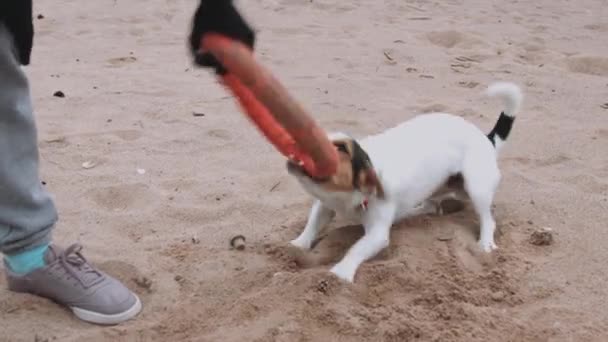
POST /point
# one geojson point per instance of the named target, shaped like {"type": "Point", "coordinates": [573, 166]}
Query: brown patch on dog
{"type": "Point", "coordinates": [355, 171]}
{"type": "Point", "coordinates": [342, 179]}
{"type": "Point", "coordinates": [369, 183]}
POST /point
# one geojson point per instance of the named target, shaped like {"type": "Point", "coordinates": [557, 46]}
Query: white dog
{"type": "Point", "coordinates": [402, 171]}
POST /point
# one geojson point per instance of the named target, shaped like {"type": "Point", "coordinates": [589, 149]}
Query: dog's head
{"type": "Point", "coordinates": [354, 181]}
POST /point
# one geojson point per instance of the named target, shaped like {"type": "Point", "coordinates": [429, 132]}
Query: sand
{"type": "Point", "coordinates": [165, 191]}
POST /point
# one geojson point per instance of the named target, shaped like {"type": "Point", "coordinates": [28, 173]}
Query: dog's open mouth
{"type": "Point", "coordinates": [293, 168]}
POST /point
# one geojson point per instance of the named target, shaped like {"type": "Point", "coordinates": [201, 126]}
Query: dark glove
{"type": "Point", "coordinates": [16, 15]}
{"type": "Point", "coordinates": [219, 16]}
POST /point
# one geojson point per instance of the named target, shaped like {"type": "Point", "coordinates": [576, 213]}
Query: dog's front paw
{"type": "Point", "coordinates": [343, 273]}
{"type": "Point", "coordinates": [487, 246]}
{"type": "Point", "coordinates": [301, 244]}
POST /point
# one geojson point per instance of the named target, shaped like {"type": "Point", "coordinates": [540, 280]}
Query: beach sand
{"type": "Point", "coordinates": [167, 189]}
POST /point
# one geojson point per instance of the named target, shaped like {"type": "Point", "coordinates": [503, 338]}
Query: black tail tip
{"type": "Point", "coordinates": [502, 128]}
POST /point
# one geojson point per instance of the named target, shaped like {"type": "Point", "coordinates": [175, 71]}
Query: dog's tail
{"type": "Point", "coordinates": [512, 98]}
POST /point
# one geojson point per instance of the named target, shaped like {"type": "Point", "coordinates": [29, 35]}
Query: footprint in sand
{"type": "Point", "coordinates": [600, 27]}
{"type": "Point", "coordinates": [129, 274]}
{"type": "Point", "coordinates": [463, 248]}
{"type": "Point", "coordinates": [470, 84]}
{"type": "Point", "coordinates": [59, 142]}
{"type": "Point", "coordinates": [127, 135]}
{"type": "Point", "coordinates": [469, 112]}
{"type": "Point", "coordinates": [123, 197]}
{"type": "Point", "coordinates": [541, 163]}
{"type": "Point", "coordinates": [434, 108]}
{"type": "Point", "coordinates": [589, 183]}
{"type": "Point", "coordinates": [589, 65]}
{"type": "Point", "coordinates": [221, 134]}
{"type": "Point", "coordinates": [463, 62]}
{"type": "Point", "coordinates": [535, 53]}
{"type": "Point", "coordinates": [449, 39]}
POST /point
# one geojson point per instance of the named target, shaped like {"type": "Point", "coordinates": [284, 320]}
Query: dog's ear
{"type": "Point", "coordinates": [364, 175]}
{"type": "Point", "coordinates": [369, 182]}
{"type": "Point", "coordinates": [361, 174]}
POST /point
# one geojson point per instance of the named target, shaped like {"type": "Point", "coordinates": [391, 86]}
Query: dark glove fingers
{"type": "Point", "coordinates": [208, 60]}
{"type": "Point", "coordinates": [220, 17]}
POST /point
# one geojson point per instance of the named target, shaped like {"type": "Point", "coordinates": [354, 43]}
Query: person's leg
{"type": "Point", "coordinates": [27, 215]}
{"type": "Point", "coordinates": [27, 212]}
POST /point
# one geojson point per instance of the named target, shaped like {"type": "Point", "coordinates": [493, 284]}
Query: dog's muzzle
{"type": "Point", "coordinates": [297, 170]}
{"type": "Point", "coordinates": [294, 169]}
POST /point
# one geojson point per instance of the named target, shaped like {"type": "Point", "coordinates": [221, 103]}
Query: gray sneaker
{"type": "Point", "coordinates": [69, 280]}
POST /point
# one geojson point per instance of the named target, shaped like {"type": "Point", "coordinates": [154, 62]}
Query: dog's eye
{"type": "Point", "coordinates": [341, 147]}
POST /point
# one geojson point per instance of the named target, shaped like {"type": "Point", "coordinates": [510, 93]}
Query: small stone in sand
{"type": "Point", "coordinates": [445, 237]}
{"type": "Point", "coordinates": [144, 283]}
{"type": "Point", "coordinates": [542, 237]}
{"type": "Point", "coordinates": [238, 242]}
{"type": "Point", "coordinates": [388, 56]}
{"type": "Point", "coordinates": [88, 164]}
{"type": "Point", "coordinates": [498, 296]}
{"type": "Point", "coordinates": [59, 93]}
{"type": "Point", "coordinates": [40, 16]}
{"type": "Point", "coordinates": [323, 286]}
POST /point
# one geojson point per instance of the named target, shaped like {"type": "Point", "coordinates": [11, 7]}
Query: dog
{"type": "Point", "coordinates": [403, 172]}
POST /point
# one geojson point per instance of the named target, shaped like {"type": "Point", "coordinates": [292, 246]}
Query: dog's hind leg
{"type": "Point", "coordinates": [481, 177]}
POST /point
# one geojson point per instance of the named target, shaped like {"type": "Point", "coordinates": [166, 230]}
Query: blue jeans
{"type": "Point", "coordinates": [27, 211]}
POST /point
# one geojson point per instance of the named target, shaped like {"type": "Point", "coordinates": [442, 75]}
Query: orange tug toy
{"type": "Point", "coordinates": [276, 114]}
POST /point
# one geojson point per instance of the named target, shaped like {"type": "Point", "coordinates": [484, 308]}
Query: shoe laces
{"type": "Point", "coordinates": [77, 266]}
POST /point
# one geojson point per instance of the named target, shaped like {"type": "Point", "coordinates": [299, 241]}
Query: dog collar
{"type": "Point", "coordinates": [364, 204]}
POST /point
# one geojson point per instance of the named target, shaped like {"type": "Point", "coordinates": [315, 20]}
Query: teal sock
{"type": "Point", "coordinates": [27, 260]}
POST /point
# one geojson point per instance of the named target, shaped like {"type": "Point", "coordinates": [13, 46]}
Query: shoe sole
{"type": "Point", "coordinates": [102, 319]}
